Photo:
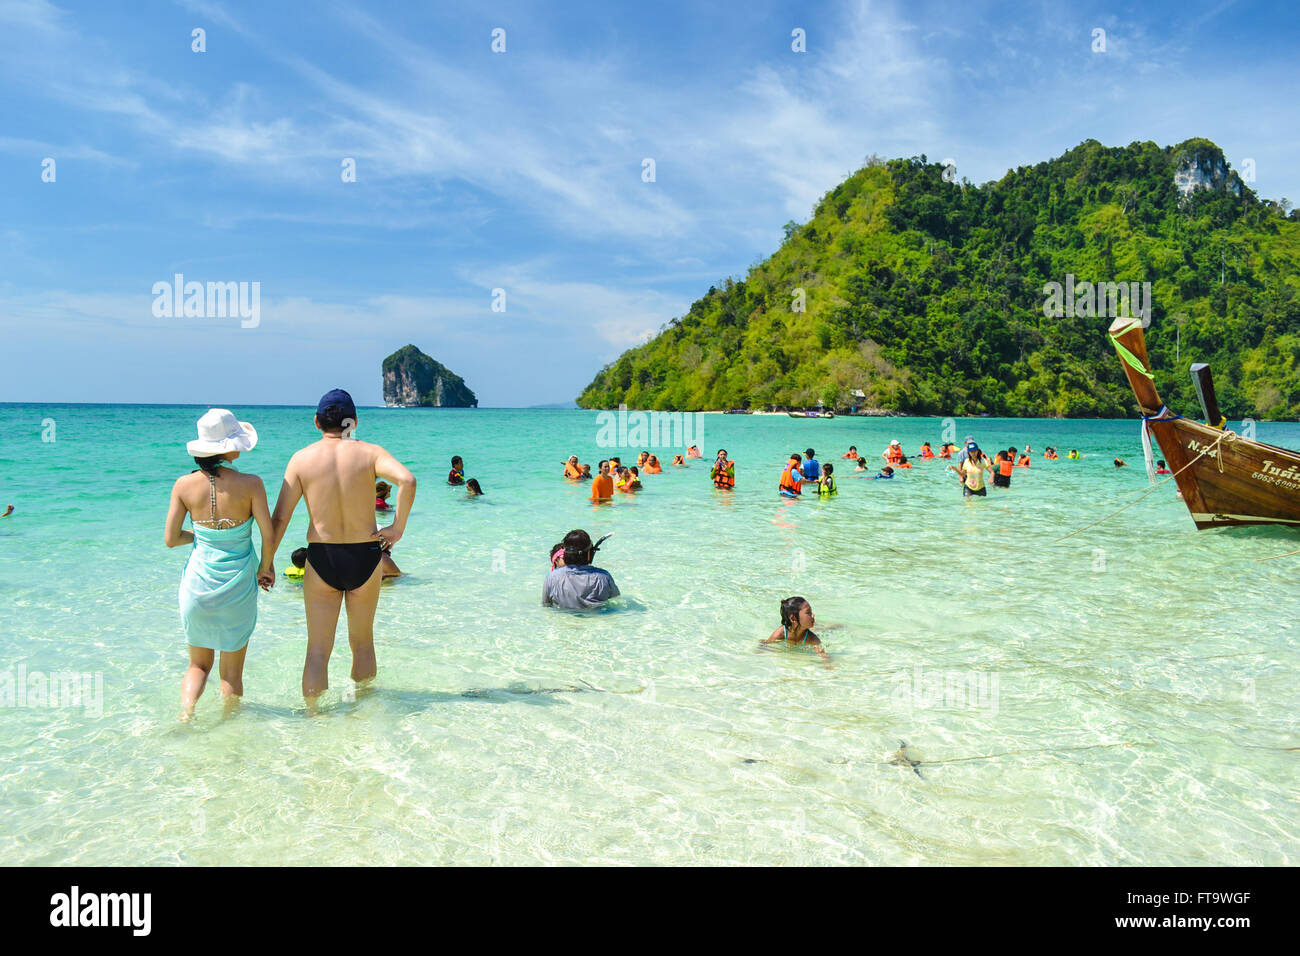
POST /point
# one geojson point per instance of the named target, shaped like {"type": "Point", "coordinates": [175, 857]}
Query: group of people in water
{"type": "Point", "coordinates": [346, 483]}
{"type": "Point", "coordinates": [613, 476]}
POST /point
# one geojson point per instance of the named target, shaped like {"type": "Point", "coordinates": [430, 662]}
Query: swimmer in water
{"type": "Point", "coordinates": [826, 484]}
{"type": "Point", "coordinates": [796, 625]}
{"type": "Point", "coordinates": [677, 460]}
{"type": "Point", "coordinates": [457, 474]}
{"type": "Point", "coordinates": [862, 465]}
{"type": "Point", "coordinates": [8, 512]}
{"type": "Point", "coordinates": [382, 490]}
{"type": "Point", "coordinates": [1162, 468]}
{"type": "Point", "coordinates": [472, 486]}
{"type": "Point", "coordinates": [298, 566]}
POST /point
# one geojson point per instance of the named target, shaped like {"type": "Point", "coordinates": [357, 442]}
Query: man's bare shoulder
{"type": "Point", "coordinates": [304, 454]}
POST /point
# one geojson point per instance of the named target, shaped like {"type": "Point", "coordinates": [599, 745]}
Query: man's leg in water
{"type": "Point", "coordinates": [361, 626]}
{"type": "Point", "coordinates": [322, 603]}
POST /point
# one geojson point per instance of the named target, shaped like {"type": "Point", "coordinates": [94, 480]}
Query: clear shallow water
{"type": "Point", "coordinates": [1125, 696]}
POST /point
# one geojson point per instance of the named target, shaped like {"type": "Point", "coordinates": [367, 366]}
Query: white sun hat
{"type": "Point", "coordinates": [221, 432]}
{"type": "Point", "coordinates": [894, 442]}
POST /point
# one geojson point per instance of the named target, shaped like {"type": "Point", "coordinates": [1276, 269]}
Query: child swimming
{"type": "Point", "coordinates": [472, 486]}
{"type": "Point", "coordinates": [298, 567]}
{"type": "Point", "coordinates": [796, 625]}
{"type": "Point", "coordinates": [457, 474]}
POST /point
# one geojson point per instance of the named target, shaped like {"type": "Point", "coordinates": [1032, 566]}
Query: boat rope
{"type": "Point", "coordinates": [1205, 451]}
{"type": "Point", "coordinates": [1039, 750]}
{"type": "Point", "coordinates": [1286, 554]}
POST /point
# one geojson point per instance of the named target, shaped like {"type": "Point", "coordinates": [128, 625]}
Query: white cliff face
{"type": "Point", "coordinates": [1208, 173]}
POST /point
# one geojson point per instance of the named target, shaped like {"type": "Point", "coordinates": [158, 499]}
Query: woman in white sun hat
{"type": "Point", "coordinates": [218, 594]}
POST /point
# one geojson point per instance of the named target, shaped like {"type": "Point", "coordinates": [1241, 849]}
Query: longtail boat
{"type": "Point", "coordinates": [1225, 478]}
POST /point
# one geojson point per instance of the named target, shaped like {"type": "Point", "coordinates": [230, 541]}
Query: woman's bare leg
{"type": "Point", "coordinates": [196, 678]}
{"type": "Point", "coordinates": [232, 676]}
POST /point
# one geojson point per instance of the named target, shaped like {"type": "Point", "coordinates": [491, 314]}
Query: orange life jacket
{"type": "Point", "coordinates": [724, 476]}
{"type": "Point", "coordinates": [1005, 467]}
{"type": "Point", "coordinates": [1024, 461]}
{"type": "Point", "coordinates": [653, 469]}
{"type": "Point", "coordinates": [894, 454]}
{"type": "Point", "coordinates": [788, 481]}
{"type": "Point", "coordinates": [571, 470]}
{"type": "Point", "coordinates": [926, 453]}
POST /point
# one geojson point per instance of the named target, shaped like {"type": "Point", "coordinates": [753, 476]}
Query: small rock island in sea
{"type": "Point", "coordinates": [413, 379]}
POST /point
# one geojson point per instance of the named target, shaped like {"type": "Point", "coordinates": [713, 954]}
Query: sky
{"type": "Point", "coordinates": [516, 177]}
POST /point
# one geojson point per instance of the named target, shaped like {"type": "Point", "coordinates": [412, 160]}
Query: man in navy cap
{"type": "Point", "coordinates": [337, 477]}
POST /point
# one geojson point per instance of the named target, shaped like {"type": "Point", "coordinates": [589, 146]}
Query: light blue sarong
{"type": "Point", "coordinates": [218, 592]}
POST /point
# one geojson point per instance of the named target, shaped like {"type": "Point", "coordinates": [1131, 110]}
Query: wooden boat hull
{"type": "Point", "coordinates": [1225, 479]}
{"type": "Point", "coordinates": [1235, 481]}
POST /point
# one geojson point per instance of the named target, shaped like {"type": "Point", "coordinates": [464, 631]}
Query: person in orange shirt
{"type": "Point", "coordinates": [652, 466]}
{"type": "Point", "coordinates": [602, 486]}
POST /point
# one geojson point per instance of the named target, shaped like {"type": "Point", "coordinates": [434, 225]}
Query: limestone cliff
{"type": "Point", "coordinates": [412, 378]}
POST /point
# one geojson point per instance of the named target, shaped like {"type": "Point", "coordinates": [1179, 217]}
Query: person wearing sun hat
{"type": "Point", "coordinates": [894, 453]}
{"type": "Point", "coordinates": [337, 476]}
{"type": "Point", "coordinates": [218, 591]}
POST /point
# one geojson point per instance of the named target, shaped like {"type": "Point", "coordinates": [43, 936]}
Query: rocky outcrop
{"type": "Point", "coordinates": [1200, 165]}
{"type": "Point", "coordinates": [414, 379]}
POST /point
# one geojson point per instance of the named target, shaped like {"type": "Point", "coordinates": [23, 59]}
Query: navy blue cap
{"type": "Point", "coordinates": [337, 398]}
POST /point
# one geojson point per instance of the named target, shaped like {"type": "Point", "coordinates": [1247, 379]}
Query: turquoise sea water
{"type": "Point", "coordinates": [1124, 696]}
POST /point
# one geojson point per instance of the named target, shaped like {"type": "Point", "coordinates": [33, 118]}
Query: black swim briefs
{"type": "Point", "coordinates": [344, 567]}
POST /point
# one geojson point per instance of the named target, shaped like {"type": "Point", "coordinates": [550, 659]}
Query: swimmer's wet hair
{"type": "Point", "coordinates": [299, 558]}
{"type": "Point", "coordinates": [790, 608]}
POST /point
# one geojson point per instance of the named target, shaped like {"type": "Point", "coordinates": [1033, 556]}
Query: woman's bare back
{"type": "Point", "coordinates": [234, 496]}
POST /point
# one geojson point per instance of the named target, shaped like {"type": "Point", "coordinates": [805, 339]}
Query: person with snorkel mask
{"type": "Point", "coordinates": [576, 584]}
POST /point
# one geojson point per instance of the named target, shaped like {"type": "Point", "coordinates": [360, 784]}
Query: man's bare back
{"type": "Point", "coordinates": [337, 477]}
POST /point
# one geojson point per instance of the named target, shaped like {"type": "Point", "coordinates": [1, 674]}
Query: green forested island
{"type": "Point", "coordinates": [929, 295]}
